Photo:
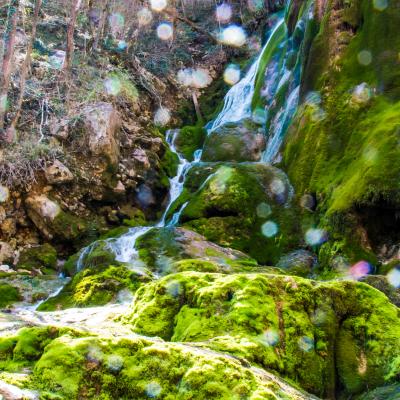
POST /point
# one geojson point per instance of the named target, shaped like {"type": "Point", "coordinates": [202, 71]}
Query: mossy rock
{"type": "Point", "coordinates": [38, 258]}
{"type": "Point", "coordinates": [230, 204]}
{"type": "Point", "coordinates": [70, 367]}
{"type": "Point", "coordinates": [332, 337]}
{"type": "Point", "coordinates": [190, 139]}
{"type": "Point", "coordinates": [240, 141]}
{"type": "Point", "coordinates": [96, 286]}
{"type": "Point", "coordinates": [168, 250]}
{"type": "Point", "coordinates": [8, 294]}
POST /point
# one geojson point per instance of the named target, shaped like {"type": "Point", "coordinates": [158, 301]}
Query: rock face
{"type": "Point", "coordinates": [58, 173]}
{"type": "Point", "coordinates": [6, 253]}
{"type": "Point", "coordinates": [102, 124]}
{"type": "Point", "coordinates": [242, 141]}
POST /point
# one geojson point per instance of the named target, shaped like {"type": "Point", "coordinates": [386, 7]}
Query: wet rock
{"type": "Point", "coordinates": [242, 141]}
{"type": "Point", "coordinates": [140, 156]}
{"type": "Point", "coordinates": [38, 258]}
{"type": "Point", "coordinates": [11, 392]}
{"type": "Point", "coordinates": [58, 173]}
{"type": "Point", "coordinates": [298, 262]}
{"type": "Point", "coordinates": [161, 247]}
{"type": "Point", "coordinates": [102, 125]}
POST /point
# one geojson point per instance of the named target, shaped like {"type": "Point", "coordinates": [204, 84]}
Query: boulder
{"type": "Point", "coordinates": [242, 141]}
{"type": "Point", "coordinates": [102, 123]}
{"type": "Point", "coordinates": [38, 258]}
{"type": "Point", "coordinates": [298, 262]}
{"type": "Point", "coordinates": [58, 173]}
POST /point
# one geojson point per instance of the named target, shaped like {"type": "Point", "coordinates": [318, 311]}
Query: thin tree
{"type": "Point", "coordinates": [26, 65]}
{"type": "Point", "coordinates": [76, 4]}
{"type": "Point", "coordinates": [103, 18]}
{"type": "Point", "coordinates": [7, 62]}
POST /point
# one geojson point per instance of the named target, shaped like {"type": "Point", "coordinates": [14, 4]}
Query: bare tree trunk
{"type": "Point", "coordinates": [102, 23]}
{"type": "Point", "coordinates": [6, 70]}
{"type": "Point", "coordinates": [70, 46]}
{"type": "Point", "coordinates": [70, 36]}
{"type": "Point", "coordinates": [197, 106]}
{"type": "Point", "coordinates": [26, 65]}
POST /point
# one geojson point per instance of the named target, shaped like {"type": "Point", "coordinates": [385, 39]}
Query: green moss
{"type": "Point", "coordinates": [190, 139]}
{"type": "Point", "coordinates": [315, 334]}
{"type": "Point", "coordinates": [8, 294]}
{"type": "Point", "coordinates": [223, 208]}
{"type": "Point", "coordinates": [95, 286]}
{"type": "Point", "coordinates": [40, 257]}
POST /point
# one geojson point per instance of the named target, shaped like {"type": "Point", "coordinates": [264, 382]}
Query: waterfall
{"type": "Point", "coordinates": [238, 100]}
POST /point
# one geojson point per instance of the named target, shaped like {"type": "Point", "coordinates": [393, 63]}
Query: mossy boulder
{"type": "Point", "coordinates": [331, 337]}
{"type": "Point", "coordinates": [241, 141]}
{"type": "Point", "coordinates": [68, 367]}
{"type": "Point", "coordinates": [168, 250]}
{"type": "Point", "coordinates": [8, 294]}
{"type": "Point", "coordinates": [38, 258]}
{"type": "Point", "coordinates": [189, 139]}
{"type": "Point", "coordinates": [244, 206]}
{"type": "Point", "coordinates": [96, 286]}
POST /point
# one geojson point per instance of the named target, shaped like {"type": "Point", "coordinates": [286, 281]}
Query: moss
{"type": "Point", "coordinates": [40, 257]}
{"type": "Point", "coordinates": [139, 368]}
{"type": "Point", "coordinates": [313, 333]}
{"type": "Point", "coordinates": [8, 294]}
{"type": "Point", "coordinates": [223, 208]}
{"type": "Point", "coordinates": [95, 286]}
{"type": "Point", "coordinates": [169, 162]}
{"type": "Point", "coordinates": [190, 139]}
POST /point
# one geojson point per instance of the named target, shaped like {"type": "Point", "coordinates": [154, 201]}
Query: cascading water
{"type": "Point", "coordinates": [272, 80]}
{"type": "Point", "coordinates": [238, 100]}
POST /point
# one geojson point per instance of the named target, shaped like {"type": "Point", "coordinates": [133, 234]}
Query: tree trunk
{"type": "Point", "coordinates": [6, 68]}
{"type": "Point", "coordinates": [27, 63]}
{"type": "Point", "coordinates": [70, 37]}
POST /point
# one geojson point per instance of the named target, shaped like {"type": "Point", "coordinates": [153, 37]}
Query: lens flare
{"type": "Point", "coordinates": [393, 277]}
{"type": "Point", "coordinates": [255, 5]}
{"type": "Point", "coordinates": [153, 389]}
{"type": "Point", "coordinates": [232, 74]}
{"type": "Point", "coordinates": [165, 31]}
{"type": "Point", "coordinates": [362, 94]}
{"type": "Point", "coordinates": [162, 116]}
{"type": "Point", "coordinates": [360, 269]}
{"type": "Point", "coordinates": [200, 78]}
{"type": "Point", "coordinates": [144, 16]}
{"type": "Point", "coordinates": [315, 237]}
{"type": "Point", "coordinates": [277, 187]}
{"type": "Point", "coordinates": [184, 76]}
{"type": "Point", "coordinates": [114, 362]}
{"type": "Point", "coordinates": [306, 343]}
{"type": "Point", "coordinates": [259, 116]}
{"type": "Point", "coordinates": [158, 5]}
{"type": "Point", "coordinates": [263, 210]}
{"type": "Point", "coordinates": [269, 338]}
{"type": "Point", "coordinates": [233, 35]}
{"type": "Point", "coordinates": [112, 86]}
{"type": "Point", "coordinates": [364, 57]}
{"type": "Point", "coordinates": [174, 289]}
{"type": "Point", "coordinates": [269, 229]}
{"type": "Point", "coordinates": [380, 5]}
{"type": "Point", "coordinates": [223, 13]}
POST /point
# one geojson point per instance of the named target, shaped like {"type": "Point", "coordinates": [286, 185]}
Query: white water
{"type": "Point", "coordinates": [237, 102]}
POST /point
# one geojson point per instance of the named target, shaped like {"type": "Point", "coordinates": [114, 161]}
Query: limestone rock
{"type": "Point", "coordinates": [102, 129]}
{"type": "Point", "coordinates": [58, 173]}
{"type": "Point", "coordinates": [6, 253]}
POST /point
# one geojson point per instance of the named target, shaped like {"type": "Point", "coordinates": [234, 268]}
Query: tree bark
{"type": "Point", "coordinates": [6, 68]}
{"type": "Point", "coordinates": [70, 36]}
{"type": "Point", "coordinates": [26, 64]}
